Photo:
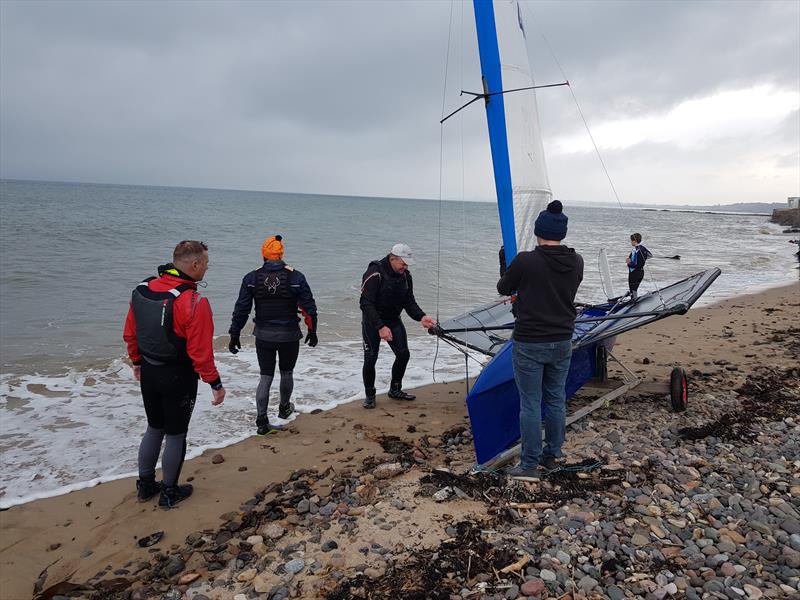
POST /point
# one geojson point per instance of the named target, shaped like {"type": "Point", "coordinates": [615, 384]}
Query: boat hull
{"type": "Point", "coordinates": [493, 401]}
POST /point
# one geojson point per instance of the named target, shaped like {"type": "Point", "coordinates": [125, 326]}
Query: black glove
{"type": "Point", "coordinates": [234, 345]}
{"type": "Point", "coordinates": [311, 339]}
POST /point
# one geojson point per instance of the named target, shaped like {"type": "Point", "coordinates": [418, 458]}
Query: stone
{"type": "Point", "coordinates": [188, 578]}
{"type": "Point", "coordinates": [174, 566]}
{"type": "Point", "coordinates": [294, 566]}
{"type": "Point", "coordinates": [533, 587]}
{"type": "Point", "coordinates": [615, 593]}
{"type": "Point", "coordinates": [587, 584]}
{"type": "Point", "coordinates": [547, 575]}
{"type": "Point", "coordinates": [217, 459]}
{"type": "Point", "coordinates": [246, 575]}
{"type": "Point", "coordinates": [753, 593]}
{"type": "Point", "coordinates": [254, 539]}
{"type": "Point", "coordinates": [273, 531]}
{"type": "Point", "coordinates": [387, 470]}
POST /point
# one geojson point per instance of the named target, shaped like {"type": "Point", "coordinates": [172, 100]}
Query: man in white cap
{"type": "Point", "coordinates": [386, 290]}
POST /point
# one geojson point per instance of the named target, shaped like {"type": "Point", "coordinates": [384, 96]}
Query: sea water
{"type": "Point", "coordinates": [70, 254]}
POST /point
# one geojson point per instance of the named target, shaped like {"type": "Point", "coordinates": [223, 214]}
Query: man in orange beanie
{"type": "Point", "coordinates": [279, 292]}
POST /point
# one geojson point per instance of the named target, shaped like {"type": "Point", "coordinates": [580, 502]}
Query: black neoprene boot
{"type": "Point", "coordinates": [147, 488]}
{"type": "Point", "coordinates": [170, 496]}
{"type": "Point", "coordinates": [396, 393]}
{"type": "Point", "coordinates": [369, 401]}
{"type": "Point", "coordinates": [285, 410]}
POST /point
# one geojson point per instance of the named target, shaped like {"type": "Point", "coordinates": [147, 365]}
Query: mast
{"type": "Point", "coordinates": [496, 120]}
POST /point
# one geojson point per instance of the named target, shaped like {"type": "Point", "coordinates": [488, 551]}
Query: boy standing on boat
{"type": "Point", "coordinates": [169, 332]}
{"type": "Point", "coordinates": [386, 290]}
{"type": "Point", "coordinates": [279, 293]}
{"type": "Point", "coordinates": [545, 280]}
{"type": "Point", "coordinates": [635, 261]}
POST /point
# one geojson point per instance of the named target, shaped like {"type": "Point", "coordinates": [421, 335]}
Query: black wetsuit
{"type": "Point", "coordinates": [278, 292]}
{"type": "Point", "coordinates": [638, 256]}
{"type": "Point", "coordinates": [384, 296]}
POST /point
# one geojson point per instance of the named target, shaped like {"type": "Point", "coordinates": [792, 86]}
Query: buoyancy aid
{"type": "Point", "coordinates": [155, 333]}
{"type": "Point", "coordinates": [274, 300]}
{"type": "Point", "coordinates": [392, 290]}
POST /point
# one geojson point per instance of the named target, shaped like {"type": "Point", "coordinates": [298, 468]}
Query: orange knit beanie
{"type": "Point", "coordinates": [272, 249]}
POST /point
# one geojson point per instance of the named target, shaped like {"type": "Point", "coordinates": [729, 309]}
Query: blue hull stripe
{"type": "Point", "coordinates": [496, 119]}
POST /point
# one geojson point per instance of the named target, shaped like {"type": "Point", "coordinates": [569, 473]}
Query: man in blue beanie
{"type": "Point", "coordinates": [545, 280]}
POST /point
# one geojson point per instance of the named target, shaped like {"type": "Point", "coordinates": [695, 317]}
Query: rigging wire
{"type": "Point", "coordinates": [441, 162]}
{"type": "Point", "coordinates": [540, 30]}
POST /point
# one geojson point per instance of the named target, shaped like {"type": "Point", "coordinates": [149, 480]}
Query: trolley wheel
{"type": "Point", "coordinates": [678, 389]}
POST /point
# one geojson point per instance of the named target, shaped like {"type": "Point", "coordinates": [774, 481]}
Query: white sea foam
{"type": "Point", "coordinates": [85, 427]}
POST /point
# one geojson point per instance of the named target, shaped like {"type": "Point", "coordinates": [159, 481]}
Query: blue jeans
{"type": "Point", "coordinates": [540, 371]}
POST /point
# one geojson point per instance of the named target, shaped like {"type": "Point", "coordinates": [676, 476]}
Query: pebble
{"type": "Point", "coordinates": [273, 531]}
{"type": "Point", "coordinates": [294, 566]}
{"type": "Point", "coordinates": [547, 575]}
{"type": "Point", "coordinates": [387, 470]}
{"type": "Point", "coordinates": [532, 587]}
{"type": "Point", "coordinates": [217, 459]}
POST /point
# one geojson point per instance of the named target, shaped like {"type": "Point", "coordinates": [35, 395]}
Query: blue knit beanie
{"type": "Point", "coordinates": [551, 224]}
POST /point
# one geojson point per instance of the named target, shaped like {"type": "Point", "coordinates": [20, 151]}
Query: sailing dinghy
{"type": "Point", "coordinates": [523, 190]}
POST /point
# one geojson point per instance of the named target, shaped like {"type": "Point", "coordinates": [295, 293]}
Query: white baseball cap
{"type": "Point", "coordinates": [403, 251]}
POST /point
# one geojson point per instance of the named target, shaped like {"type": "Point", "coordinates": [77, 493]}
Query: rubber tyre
{"type": "Point", "coordinates": [678, 389]}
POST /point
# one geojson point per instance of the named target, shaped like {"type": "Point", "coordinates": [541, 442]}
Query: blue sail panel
{"type": "Point", "coordinates": [496, 119]}
{"type": "Point", "coordinates": [493, 401]}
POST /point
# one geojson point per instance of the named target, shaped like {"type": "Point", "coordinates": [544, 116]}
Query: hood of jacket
{"type": "Point", "coordinates": [561, 259]}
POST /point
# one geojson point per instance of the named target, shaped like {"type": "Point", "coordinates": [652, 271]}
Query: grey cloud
{"type": "Point", "coordinates": [344, 97]}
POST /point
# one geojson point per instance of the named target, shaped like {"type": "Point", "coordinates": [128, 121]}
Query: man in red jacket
{"type": "Point", "coordinates": [169, 332]}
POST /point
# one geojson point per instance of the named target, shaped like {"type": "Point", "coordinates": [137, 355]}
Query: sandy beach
{"type": "Point", "coordinates": [349, 503]}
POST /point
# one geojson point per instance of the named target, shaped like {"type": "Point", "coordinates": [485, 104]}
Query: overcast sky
{"type": "Point", "coordinates": [693, 102]}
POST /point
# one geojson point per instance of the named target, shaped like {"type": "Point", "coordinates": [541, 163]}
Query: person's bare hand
{"type": "Point", "coordinates": [428, 322]}
{"type": "Point", "coordinates": [219, 396]}
{"type": "Point", "coordinates": [385, 333]}
{"type": "Point", "coordinates": [137, 372]}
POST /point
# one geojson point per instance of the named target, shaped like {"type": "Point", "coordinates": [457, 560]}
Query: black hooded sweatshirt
{"type": "Point", "coordinates": [546, 280]}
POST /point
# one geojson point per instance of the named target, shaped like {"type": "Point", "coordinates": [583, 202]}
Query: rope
{"type": "Point", "coordinates": [540, 30]}
{"type": "Point", "coordinates": [441, 169]}
{"type": "Point", "coordinates": [577, 468]}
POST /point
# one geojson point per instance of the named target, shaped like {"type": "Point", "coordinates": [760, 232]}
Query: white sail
{"type": "Point", "coordinates": [530, 185]}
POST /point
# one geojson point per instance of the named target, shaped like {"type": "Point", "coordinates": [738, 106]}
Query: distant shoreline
{"type": "Point", "coordinates": [707, 212]}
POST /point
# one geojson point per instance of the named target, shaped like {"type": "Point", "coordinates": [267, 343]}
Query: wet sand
{"type": "Point", "coordinates": [79, 535]}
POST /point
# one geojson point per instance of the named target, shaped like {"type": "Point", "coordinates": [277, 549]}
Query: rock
{"type": "Point", "coordinates": [254, 539]}
{"type": "Point", "coordinates": [273, 531]}
{"type": "Point", "coordinates": [246, 575]}
{"type": "Point", "coordinates": [174, 565]}
{"type": "Point", "coordinates": [387, 470]}
{"type": "Point", "coordinates": [533, 587]}
{"type": "Point", "coordinates": [443, 494]}
{"type": "Point", "coordinates": [294, 566]}
{"type": "Point", "coordinates": [329, 545]}
{"type": "Point", "coordinates": [615, 593]}
{"type": "Point", "coordinates": [753, 593]}
{"type": "Point", "coordinates": [217, 459]}
{"type": "Point", "coordinates": [372, 573]}
{"type": "Point", "coordinates": [587, 583]}
{"type": "Point", "coordinates": [547, 575]}
{"type": "Point", "coordinates": [188, 578]}
{"type": "Point", "coordinates": [303, 506]}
